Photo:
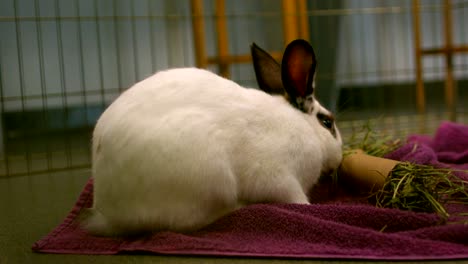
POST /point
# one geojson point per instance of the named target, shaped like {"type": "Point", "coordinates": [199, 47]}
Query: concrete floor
{"type": "Point", "coordinates": [33, 205]}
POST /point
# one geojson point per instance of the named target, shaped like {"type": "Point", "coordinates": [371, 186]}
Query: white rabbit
{"type": "Point", "coordinates": [184, 147]}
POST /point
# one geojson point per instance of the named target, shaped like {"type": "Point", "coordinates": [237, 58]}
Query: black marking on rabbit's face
{"type": "Point", "coordinates": [328, 122]}
{"type": "Point", "coordinates": [306, 104]}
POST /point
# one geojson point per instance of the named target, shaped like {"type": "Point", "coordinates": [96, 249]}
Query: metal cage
{"type": "Point", "coordinates": [402, 64]}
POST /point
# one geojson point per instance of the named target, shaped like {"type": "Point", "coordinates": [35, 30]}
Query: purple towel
{"type": "Point", "coordinates": [339, 229]}
{"type": "Point", "coordinates": [448, 148]}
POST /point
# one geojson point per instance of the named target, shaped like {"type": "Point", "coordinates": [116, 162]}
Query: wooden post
{"type": "Point", "coordinates": [222, 38]}
{"type": "Point", "coordinates": [303, 19]}
{"type": "Point", "coordinates": [198, 27]}
{"type": "Point", "coordinates": [450, 89]}
{"type": "Point", "coordinates": [420, 93]}
{"type": "Point", "coordinates": [290, 25]}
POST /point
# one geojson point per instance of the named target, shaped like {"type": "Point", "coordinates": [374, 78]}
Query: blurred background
{"type": "Point", "coordinates": [401, 64]}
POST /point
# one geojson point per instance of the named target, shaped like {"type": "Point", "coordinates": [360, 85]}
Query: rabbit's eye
{"type": "Point", "coordinates": [326, 121]}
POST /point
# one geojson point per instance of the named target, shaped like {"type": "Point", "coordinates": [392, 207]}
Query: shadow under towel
{"type": "Point", "coordinates": [333, 229]}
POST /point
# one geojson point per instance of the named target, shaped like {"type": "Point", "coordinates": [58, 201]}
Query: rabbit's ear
{"type": "Point", "coordinates": [267, 71]}
{"type": "Point", "coordinates": [298, 72]}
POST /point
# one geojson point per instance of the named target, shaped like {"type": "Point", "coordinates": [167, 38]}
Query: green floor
{"type": "Point", "coordinates": [33, 205]}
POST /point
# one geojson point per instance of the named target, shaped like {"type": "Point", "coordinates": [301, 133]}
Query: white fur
{"type": "Point", "coordinates": [184, 147]}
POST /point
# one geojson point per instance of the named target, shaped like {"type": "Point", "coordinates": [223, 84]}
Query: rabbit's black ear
{"type": "Point", "coordinates": [267, 71]}
{"type": "Point", "coordinates": [298, 71]}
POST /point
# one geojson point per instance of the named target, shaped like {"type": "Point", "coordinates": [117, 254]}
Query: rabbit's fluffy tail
{"type": "Point", "coordinates": [95, 223]}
